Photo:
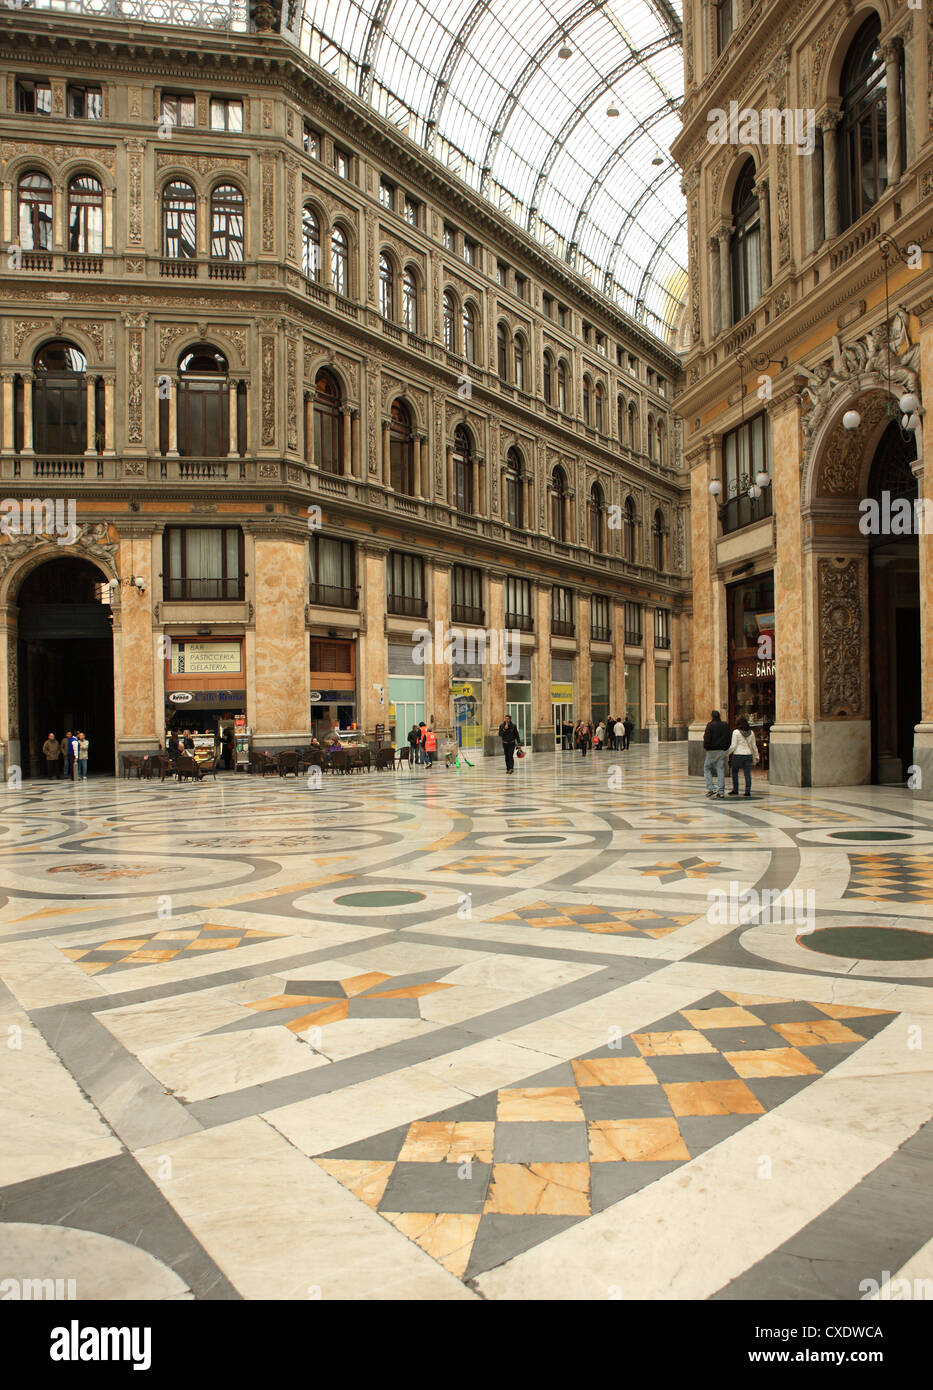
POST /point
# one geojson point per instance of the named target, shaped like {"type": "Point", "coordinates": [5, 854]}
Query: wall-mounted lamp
{"type": "Point", "coordinates": [715, 487]}
{"type": "Point", "coordinates": [851, 420]}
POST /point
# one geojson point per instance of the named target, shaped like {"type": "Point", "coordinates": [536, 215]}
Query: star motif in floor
{"type": "Point", "coordinates": [672, 870]}
{"type": "Point", "coordinates": [314, 1003]}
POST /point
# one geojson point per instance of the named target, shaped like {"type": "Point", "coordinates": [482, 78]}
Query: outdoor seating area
{"type": "Point", "coordinates": [289, 762]}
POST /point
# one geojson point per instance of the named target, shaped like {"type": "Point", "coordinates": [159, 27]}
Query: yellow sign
{"type": "Point", "coordinates": [205, 658]}
{"type": "Point", "coordinates": [460, 688]}
{"type": "Point", "coordinates": [562, 694]}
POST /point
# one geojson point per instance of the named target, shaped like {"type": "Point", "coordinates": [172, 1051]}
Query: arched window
{"type": "Point", "coordinates": [558, 501]}
{"type": "Point", "coordinates": [450, 322]}
{"type": "Point", "coordinates": [547, 377]}
{"type": "Point", "coordinates": [59, 400]}
{"type": "Point", "coordinates": [598, 399]}
{"type": "Point", "coordinates": [657, 534]}
{"type": "Point", "coordinates": [587, 396]}
{"type": "Point", "coordinates": [502, 352]}
{"type": "Point", "coordinates": [310, 245]}
{"type": "Point", "coordinates": [410, 301]}
{"type": "Point", "coordinates": [401, 450]}
{"type": "Point", "coordinates": [179, 222]}
{"type": "Point", "coordinates": [328, 424]}
{"type": "Point", "coordinates": [651, 437]}
{"type": "Point", "coordinates": [202, 404]}
{"type": "Point", "coordinates": [469, 332]}
{"type": "Point", "coordinates": [596, 514]}
{"type": "Point", "coordinates": [745, 244]}
{"type": "Point", "coordinates": [863, 145]}
{"type": "Point", "coordinates": [633, 428]}
{"type": "Point", "coordinates": [85, 216]}
{"type": "Point", "coordinates": [339, 262]}
{"type": "Point", "coordinates": [463, 471]}
{"type": "Point", "coordinates": [35, 212]}
{"type": "Point", "coordinates": [518, 357]}
{"type": "Point", "coordinates": [562, 387]}
{"type": "Point", "coordinates": [628, 532]}
{"type": "Point", "coordinates": [386, 288]}
{"type": "Point", "coordinates": [514, 511]}
{"type": "Point", "coordinates": [227, 223]}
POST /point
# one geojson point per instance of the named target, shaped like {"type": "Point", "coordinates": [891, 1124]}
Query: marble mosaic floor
{"type": "Point", "coordinates": [466, 1036]}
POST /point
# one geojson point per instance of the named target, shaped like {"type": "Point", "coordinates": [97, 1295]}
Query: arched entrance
{"type": "Point", "coordinates": [894, 605]}
{"type": "Point", "coordinates": [65, 661]}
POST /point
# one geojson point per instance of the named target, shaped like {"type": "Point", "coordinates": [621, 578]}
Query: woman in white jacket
{"type": "Point", "coordinates": [744, 751]}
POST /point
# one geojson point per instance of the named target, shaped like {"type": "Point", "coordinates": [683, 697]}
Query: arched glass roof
{"type": "Point", "coordinates": [513, 97]}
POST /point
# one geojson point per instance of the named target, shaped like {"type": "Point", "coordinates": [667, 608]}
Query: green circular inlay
{"type": "Point", "coordinates": [870, 943]}
{"type": "Point", "coordinates": [870, 834]}
{"type": "Point", "coordinates": [535, 839]}
{"type": "Point", "coordinates": [388, 898]}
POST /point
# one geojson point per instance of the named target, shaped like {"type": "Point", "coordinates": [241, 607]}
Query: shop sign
{"type": "Point", "coordinates": [753, 670]}
{"type": "Point", "coordinates": [460, 689]}
{"type": "Point", "coordinates": [205, 658]}
{"type": "Point", "coordinates": [181, 697]}
{"type": "Point", "coordinates": [562, 694]}
{"type": "Point", "coordinates": [315, 696]}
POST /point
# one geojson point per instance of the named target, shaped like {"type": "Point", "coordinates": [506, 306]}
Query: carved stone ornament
{"type": "Point", "coordinates": [842, 637]}
{"type": "Point", "coordinates": [92, 539]}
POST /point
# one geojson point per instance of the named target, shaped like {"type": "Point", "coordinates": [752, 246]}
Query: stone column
{"type": "Point", "coordinates": [541, 715]}
{"type": "Point", "coordinates": [416, 466]}
{"type": "Point", "coordinates": [569, 536]}
{"type": "Point", "coordinates": [705, 691]}
{"type": "Point", "coordinates": [816, 230]}
{"type": "Point", "coordinates": [437, 697]}
{"type": "Point", "coordinates": [764, 218]}
{"type": "Point", "coordinates": [232, 451]}
{"type": "Point", "coordinates": [355, 443]}
{"type": "Point", "coordinates": [309, 427]}
{"type": "Point", "coordinates": [650, 721]}
{"type": "Point", "coordinates": [280, 592]}
{"type": "Point", "coordinates": [6, 386]}
{"type": "Point", "coordinates": [90, 422]}
{"type": "Point", "coordinates": [494, 711]}
{"type": "Point", "coordinates": [27, 412]}
{"type": "Point", "coordinates": [891, 52]}
{"type": "Point", "coordinates": [828, 122]}
{"type": "Point", "coordinates": [346, 466]}
{"type": "Point", "coordinates": [480, 503]}
{"type": "Point", "coordinates": [373, 642]}
{"type": "Point", "coordinates": [617, 665]}
{"type": "Point", "coordinates": [923, 732]}
{"type": "Point", "coordinates": [582, 671]}
{"type": "Point", "coordinates": [386, 453]}
{"type": "Point", "coordinates": [724, 236]}
{"type": "Point", "coordinates": [675, 715]}
{"type": "Point", "coordinates": [109, 422]}
{"type": "Point", "coordinates": [450, 475]}
{"type": "Point", "coordinates": [134, 664]}
{"type": "Point", "coordinates": [791, 731]}
{"type": "Point", "coordinates": [715, 288]}
{"type": "Point", "coordinates": [173, 417]}
{"type": "Point", "coordinates": [529, 501]}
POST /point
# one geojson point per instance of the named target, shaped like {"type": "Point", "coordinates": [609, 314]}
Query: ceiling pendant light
{"type": "Point", "coordinates": [565, 51]}
{"type": "Point", "coordinates": [657, 160]}
{"type": "Point", "coordinates": [612, 109]}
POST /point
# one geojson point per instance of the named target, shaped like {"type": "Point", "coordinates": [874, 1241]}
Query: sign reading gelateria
{"type": "Point", "coordinates": [205, 658]}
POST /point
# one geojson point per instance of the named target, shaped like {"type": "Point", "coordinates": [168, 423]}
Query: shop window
{"type": "Point", "coordinates": [466, 595]}
{"type": "Point", "coordinates": [85, 216]}
{"type": "Point", "coordinates": [562, 624]}
{"type": "Point", "coordinates": [328, 424]}
{"type": "Point", "coordinates": [33, 98]}
{"type": "Point", "coordinates": [599, 618]}
{"type": "Point", "coordinates": [226, 114]}
{"type": "Point", "coordinates": [633, 696]}
{"type": "Point", "coordinates": [752, 656]}
{"type": "Point", "coordinates": [333, 575]}
{"type": "Point", "coordinates": [518, 611]}
{"type": "Point", "coordinates": [85, 103]}
{"type": "Point", "coordinates": [405, 585]}
{"type": "Point", "coordinates": [202, 563]}
{"type": "Point", "coordinates": [661, 710]}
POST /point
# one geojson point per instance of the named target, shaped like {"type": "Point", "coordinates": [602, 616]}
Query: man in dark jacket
{"type": "Point", "coordinates": [509, 735]}
{"type": "Point", "coordinates": [628, 729]}
{"type": "Point", "coordinates": [716, 741]}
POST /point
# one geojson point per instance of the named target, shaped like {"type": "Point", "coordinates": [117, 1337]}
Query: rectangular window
{"type": "Point", "coordinates": [601, 344]}
{"type": "Point", "coordinates": [518, 604]}
{"type": "Point", "coordinates": [466, 595]}
{"type": "Point", "coordinates": [521, 287]}
{"type": "Point", "coordinates": [226, 114]}
{"type": "Point", "coordinates": [333, 575]}
{"type": "Point", "coordinates": [562, 312]}
{"type": "Point", "coordinates": [203, 564]}
{"type": "Point", "coordinates": [33, 98]}
{"type": "Point", "coordinates": [633, 696]}
{"type": "Point", "coordinates": [633, 364]}
{"type": "Point", "coordinates": [599, 618]}
{"type": "Point", "coordinates": [587, 332]}
{"type": "Point", "coordinates": [332, 658]}
{"type": "Point", "coordinates": [311, 141]}
{"type": "Point", "coordinates": [661, 712]}
{"type": "Point", "coordinates": [633, 633]}
{"type": "Point", "coordinates": [405, 585]}
{"type": "Point", "coordinates": [502, 274]}
{"type": "Point", "coordinates": [599, 690]}
{"type": "Point", "coordinates": [746, 452]}
{"type": "Point", "coordinates": [562, 612]}
{"type": "Point", "coordinates": [469, 251]}
{"type": "Point", "coordinates": [85, 103]}
{"type": "Point", "coordinates": [547, 305]}
{"type": "Point", "coordinates": [662, 628]}
{"type": "Point", "coordinates": [341, 163]}
{"type": "Point", "coordinates": [449, 237]}
{"type": "Point", "coordinates": [411, 211]}
{"type": "Point", "coordinates": [177, 109]}
{"type": "Point", "coordinates": [723, 24]}
{"type": "Point", "coordinates": [387, 194]}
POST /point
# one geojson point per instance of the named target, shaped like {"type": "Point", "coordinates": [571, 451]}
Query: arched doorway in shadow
{"type": "Point", "coordinates": [894, 606]}
{"type": "Point", "coordinates": [65, 662]}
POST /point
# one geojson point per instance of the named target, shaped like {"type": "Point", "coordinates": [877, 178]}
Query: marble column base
{"type": "Point", "coordinates": [841, 752]}
{"type": "Point", "coordinates": [790, 755]}
{"type": "Point", "coordinates": [696, 753]}
{"type": "Point", "coordinates": [920, 776]}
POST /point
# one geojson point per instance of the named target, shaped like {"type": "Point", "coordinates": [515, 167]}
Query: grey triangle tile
{"type": "Point", "coordinates": [383, 1146]}
{"type": "Point", "coordinates": [501, 1238]}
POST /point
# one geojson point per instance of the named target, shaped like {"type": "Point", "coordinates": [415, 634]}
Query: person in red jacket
{"type": "Point", "coordinates": [430, 747]}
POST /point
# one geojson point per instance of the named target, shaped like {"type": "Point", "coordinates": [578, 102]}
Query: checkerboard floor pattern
{"type": "Point", "coordinates": [602, 920]}
{"type": "Point", "coordinates": [903, 878]}
{"type": "Point", "coordinates": [162, 946]}
{"type": "Point", "coordinates": [475, 1185]}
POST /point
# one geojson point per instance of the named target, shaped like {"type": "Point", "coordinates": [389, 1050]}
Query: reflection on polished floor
{"type": "Point", "coordinates": [467, 1036]}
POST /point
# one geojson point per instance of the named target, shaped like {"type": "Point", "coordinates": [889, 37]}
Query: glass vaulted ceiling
{"type": "Point", "coordinates": [481, 85]}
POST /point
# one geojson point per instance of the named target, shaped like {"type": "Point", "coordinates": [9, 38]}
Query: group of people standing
{"type": "Point", "coordinates": [607, 733]}
{"type": "Point", "coordinates": [66, 757]}
{"type": "Point", "coordinates": [422, 743]}
{"type": "Point", "coordinates": [720, 746]}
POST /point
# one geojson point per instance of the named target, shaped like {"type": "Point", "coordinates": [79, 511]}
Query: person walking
{"type": "Point", "coordinates": [83, 746]}
{"type": "Point", "coordinates": [584, 737]}
{"type": "Point", "coordinates": [510, 740]}
{"type": "Point", "coordinates": [52, 752]}
{"type": "Point", "coordinates": [66, 753]}
{"type": "Point", "coordinates": [628, 728]}
{"type": "Point", "coordinates": [744, 751]}
{"type": "Point", "coordinates": [430, 747]}
{"type": "Point", "coordinates": [600, 737]}
{"type": "Point", "coordinates": [716, 743]}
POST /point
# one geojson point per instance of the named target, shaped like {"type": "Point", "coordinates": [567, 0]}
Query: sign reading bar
{"type": "Point", "coordinates": [205, 658]}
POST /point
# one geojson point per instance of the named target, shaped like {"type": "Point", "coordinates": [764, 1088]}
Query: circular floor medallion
{"type": "Point", "coordinates": [870, 835]}
{"type": "Point", "coordinates": [534, 839]}
{"type": "Point", "coordinates": [387, 898]}
{"type": "Point", "coordinates": [870, 943]}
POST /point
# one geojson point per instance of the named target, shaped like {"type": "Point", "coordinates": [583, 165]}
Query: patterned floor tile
{"type": "Point", "coordinates": [162, 946]}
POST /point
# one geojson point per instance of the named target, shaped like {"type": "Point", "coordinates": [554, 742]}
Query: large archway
{"type": "Point", "coordinates": [65, 661]}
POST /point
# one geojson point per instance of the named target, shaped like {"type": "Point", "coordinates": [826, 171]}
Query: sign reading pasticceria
{"type": "Point", "coordinates": [205, 658]}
